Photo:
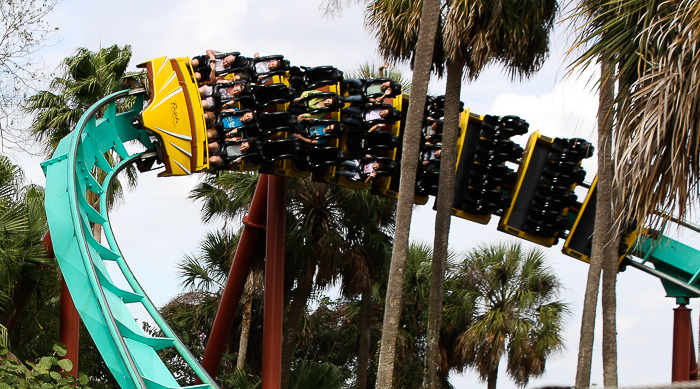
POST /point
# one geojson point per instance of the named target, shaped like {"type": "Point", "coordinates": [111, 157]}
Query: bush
{"type": "Point", "coordinates": [48, 373]}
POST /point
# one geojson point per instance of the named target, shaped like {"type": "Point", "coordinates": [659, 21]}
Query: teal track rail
{"type": "Point", "coordinates": [79, 171]}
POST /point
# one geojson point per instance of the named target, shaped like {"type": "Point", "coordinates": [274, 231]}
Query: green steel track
{"type": "Point", "coordinates": [78, 174]}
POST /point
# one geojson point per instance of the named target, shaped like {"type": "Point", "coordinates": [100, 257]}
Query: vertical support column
{"type": "Point", "coordinates": [240, 268]}
{"type": "Point", "coordinates": [70, 328]}
{"type": "Point", "coordinates": [682, 362]}
{"type": "Point", "coordinates": [274, 283]}
{"type": "Point", "coordinates": [70, 319]}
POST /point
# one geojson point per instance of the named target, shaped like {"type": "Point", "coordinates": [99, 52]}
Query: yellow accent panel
{"type": "Point", "coordinates": [464, 119]}
{"type": "Point", "coordinates": [630, 238]}
{"type": "Point", "coordinates": [535, 138]}
{"type": "Point", "coordinates": [481, 219]}
{"type": "Point", "coordinates": [382, 185]}
{"type": "Point", "coordinates": [175, 115]}
{"type": "Point", "coordinates": [566, 249]}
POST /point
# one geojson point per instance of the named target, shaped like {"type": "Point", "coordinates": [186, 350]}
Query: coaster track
{"type": "Point", "coordinates": [80, 172]}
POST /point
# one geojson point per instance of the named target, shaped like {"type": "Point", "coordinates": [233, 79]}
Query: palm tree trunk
{"type": "Point", "coordinates": [245, 334]}
{"type": "Point", "coordinates": [585, 350]}
{"type": "Point", "coordinates": [294, 316]}
{"type": "Point", "coordinates": [492, 378]}
{"type": "Point", "coordinates": [604, 232]}
{"type": "Point", "coordinates": [448, 161]}
{"type": "Point", "coordinates": [414, 120]}
{"type": "Point", "coordinates": [364, 341]}
{"type": "Point", "coordinates": [21, 295]}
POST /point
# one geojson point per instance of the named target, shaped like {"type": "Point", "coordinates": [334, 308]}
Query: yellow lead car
{"type": "Point", "coordinates": [174, 114]}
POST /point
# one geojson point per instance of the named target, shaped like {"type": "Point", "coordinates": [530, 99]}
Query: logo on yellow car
{"type": "Point", "coordinates": [173, 109]}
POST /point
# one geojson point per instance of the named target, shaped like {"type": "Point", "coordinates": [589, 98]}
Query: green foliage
{"type": "Point", "coordinates": [191, 315]}
{"type": "Point", "coordinates": [208, 269]}
{"type": "Point", "coordinates": [334, 327]}
{"type": "Point", "coordinates": [85, 78]}
{"type": "Point", "coordinates": [476, 33]}
{"type": "Point", "coordinates": [240, 379]}
{"type": "Point", "coordinates": [503, 303]}
{"type": "Point", "coordinates": [23, 260]}
{"type": "Point", "coordinates": [3, 337]}
{"type": "Point", "coordinates": [317, 375]}
{"type": "Point", "coordinates": [225, 195]}
{"type": "Point", "coordinates": [368, 71]}
{"type": "Point", "coordinates": [46, 373]}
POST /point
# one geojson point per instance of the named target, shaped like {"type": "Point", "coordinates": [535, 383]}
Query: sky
{"type": "Point", "coordinates": [157, 224]}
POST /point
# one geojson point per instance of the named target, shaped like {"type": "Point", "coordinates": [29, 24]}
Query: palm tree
{"type": "Point", "coordinates": [649, 47]}
{"type": "Point", "coordinates": [317, 228]}
{"type": "Point", "coordinates": [86, 77]}
{"type": "Point", "coordinates": [317, 375]}
{"type": "Point", "coordinates": [23, 259]}
{"type": "Point", "coordinates": [504, 302]}
{"type": "Point", "coordinates": [226, 196]}
{"type": "Point", "coordinates": [471, 36]}
{"type": "Point", "coordinates": [422, 60]}
{"type": "Point", "coordinates": [415, 316]}
{"type": "Point", "coordinates": [207, 270]}
{"type": "Point", "coordinates": [203, 276]}
{"type": "Point", "coordinates": [619, 34]}
{"type": "Point", "coordinates": [314, 243]}
{"type": "Point", "coordinates": [365, 260]}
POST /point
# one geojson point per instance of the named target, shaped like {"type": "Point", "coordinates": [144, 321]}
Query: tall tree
{"type": "Point", "coordinates": [607, 244]}
{"type": "Point", "coordinates": [422, 61]}
{"type": "Point", "coordinates": [474, 37]}
{"type": "Point", "coordinates": [313, 251]}
{"type": "Point", "coordinates": [471, 36]}
{"type": "Point", "coordinates": [603, 252]}
{"type": "Point", "coordinates": [504, 302]}
{"type": "Point", "coordinates": [85, 78]}
{"type": "Point", "coordinates": [612, 33]}
{"type": "Point", "coordinates": [369, 242]}
{"type": "Point", "coordinates": [323, 238]}
{"type": "Point", "coordinates": [23, 33]}
{"type": "Point", "coordinates": [364, 262]}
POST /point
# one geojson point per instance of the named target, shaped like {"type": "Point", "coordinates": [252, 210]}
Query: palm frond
{"type": "Point", "coordinates": [503, 301]}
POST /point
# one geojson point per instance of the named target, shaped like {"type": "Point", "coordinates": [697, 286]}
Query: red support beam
{"type": "Point", "coordinates": [70, 328]}
{"type": "Point", "coordinates": [683, 366]}
{"type": "Point", "coordinates": [240, 268]}
{"type": "Point", "coordinates": [274, 283]}
{"type": "Point", "coordinates": [70, 319]}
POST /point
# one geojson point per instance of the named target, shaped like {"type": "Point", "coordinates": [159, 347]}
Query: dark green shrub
{"type": "Point", "coordinates": [48, 372]}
